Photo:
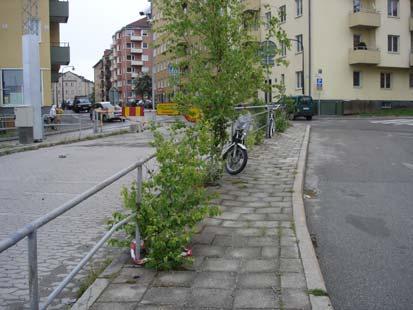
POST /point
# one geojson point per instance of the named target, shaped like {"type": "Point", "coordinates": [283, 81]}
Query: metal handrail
{"type": "Point", "coordinates": [30, 231]}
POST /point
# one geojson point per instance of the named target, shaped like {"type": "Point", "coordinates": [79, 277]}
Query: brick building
{"type": "Point", "coordinates": [131, 57]}
{"type": "Point", "coordinates": [102, 76]}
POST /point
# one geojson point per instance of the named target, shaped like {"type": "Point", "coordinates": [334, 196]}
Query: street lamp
{"type": "Point", "coordinates": [303, 64]}
{"type": "Point", "coordinates": [63, 88]}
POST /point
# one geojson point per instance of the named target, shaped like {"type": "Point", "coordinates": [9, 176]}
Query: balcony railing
{"type": "Point", "coordinates": [365, 18]}
{"type": "Point", "coordinates": [136, 50]}
{"type": "Point", "coordinates": [137, 63]}
{"type": "Point", "coordinates": [59, 11]}
{"type": "Point", "coordinates": [368, 56]}
{"type": "Point", "coordinates": [136, 38]}
{"type": "Point", "coordinates": [251, 5]}
{"type": "Point", "coordinates": [60, 53]}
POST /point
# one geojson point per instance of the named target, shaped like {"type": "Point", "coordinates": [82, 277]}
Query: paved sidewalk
{"type": "Point", "coordinates": [246, 258]}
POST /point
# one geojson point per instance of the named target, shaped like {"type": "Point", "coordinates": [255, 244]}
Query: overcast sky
{"type": "Point", "coordinates": [91, 26]}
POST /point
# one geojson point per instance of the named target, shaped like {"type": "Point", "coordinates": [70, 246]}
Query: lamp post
{"type": "Point", "coordinates": [303, 61]}
{"type": "Point", "coordinates": [63, 88]}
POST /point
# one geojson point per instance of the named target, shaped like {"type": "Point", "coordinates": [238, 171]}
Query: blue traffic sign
{"type": "Point", "coordinates": [319, 83]}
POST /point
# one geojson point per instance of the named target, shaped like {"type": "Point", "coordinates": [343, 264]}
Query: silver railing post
{"type": "Point", "coordinates": [80, 128]}
{"type": "Point", "coordinates": [267, 132]}
{"type": "Point", "coordinates": [33, 275]}
{"type": "Point", "coordinates": [139, 180]}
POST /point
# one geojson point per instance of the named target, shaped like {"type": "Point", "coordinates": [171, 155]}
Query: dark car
{"type": "Point", "coordinates": [81, 104]}
{"type": "Point", "coordinates": [300, 106]}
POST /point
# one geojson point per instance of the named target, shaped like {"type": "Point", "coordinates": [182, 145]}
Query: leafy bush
{"type": "Point", "coordinates": [174, 199]}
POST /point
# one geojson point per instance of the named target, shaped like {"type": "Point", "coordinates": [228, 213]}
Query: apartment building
{"type": "Point", "coordinates": [102, 75]}
{"type": "Point", "coordinates": [71, 85]}
{"type": "Point", "coordinates": [131, 57]}
{"type": "Point", "coordinates": [53, 53]}
{"type": "Point", "coordinates": [359, 51]}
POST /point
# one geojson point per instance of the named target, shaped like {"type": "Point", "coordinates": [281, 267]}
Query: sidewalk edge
{"type": "Point", "coordinates": [313, 275]}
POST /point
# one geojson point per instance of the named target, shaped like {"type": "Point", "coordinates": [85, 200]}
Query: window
{"type": "Point", "coordinates": [356, 6]}
{"type": "Point", "coordinates": [385, 80]}
{"type": "Point", "coordinates": [268, 93]}
{"type": "Point", "coordinates": [144, 33]}
{"type": "Point", "coordinates": [300, 79]}
{"type": "Point", "coordinates": [12, 87]}
{"type": "Point", "coordinates": [129, 69]}
{"type": "Point", "coordinates": [145, 58]}
{"type": "Point", "coordinates": [268, 20]}
{"type": "Point", "coordinates": [283, 13]}
{"type": "Point", "coordinates": [393, 8]}
{"type": "Point", "coordinates": [282, 79]}
{"type": "Point", "coordinates": [128, 45]}
{"type": "Point", "coordinates": [299, 7]}
{"type": "Point", "coordinates": [393, 43]}
{"type": "Point", "coordinates": [128, 57]}
{"type": "Point", "coordinates": [283, 49]}
{"type": "Point", "coordinates": [411, 80]}
{"type": "Point", "coordinates": [357, 79]}
{"type": "Point", "coordinates": [299, 41]}
{"type": "Point", "coordinates": [144, 45]}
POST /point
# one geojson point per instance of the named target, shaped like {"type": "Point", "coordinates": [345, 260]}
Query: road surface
{"type": "Point", "coordinates": [359, 188]}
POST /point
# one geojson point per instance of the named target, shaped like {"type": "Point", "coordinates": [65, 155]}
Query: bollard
{"type": "Point", "coordinates": [139, 179]}
{"type": "Point", "coordinates": [33, 275]}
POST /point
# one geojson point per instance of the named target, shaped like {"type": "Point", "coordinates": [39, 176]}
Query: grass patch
{"type": "Point", "coordinates": [391, 112]}
{"type": "Point", "coordinates": [92, 275]}
{"type": "Point", "coordinates": [317, 292]}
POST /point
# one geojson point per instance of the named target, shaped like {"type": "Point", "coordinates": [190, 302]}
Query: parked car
{"type": "Point", "coordinates": [67, 104]}
{"type": "Point", "coordinates": [106, 111]}
{"type": "Point", "coordinates": [148, 104]}
{"type": "Point", "coordinates": [81, 103]}
{"type": "Point", "coordinates": [302, 106]}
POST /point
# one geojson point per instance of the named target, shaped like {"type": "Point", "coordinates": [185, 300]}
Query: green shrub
{"type": "Point", "coordinates": [174, 199]}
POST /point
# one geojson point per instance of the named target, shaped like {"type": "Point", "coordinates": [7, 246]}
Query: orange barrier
{"type": "Point", "coordinates": [133, 111]}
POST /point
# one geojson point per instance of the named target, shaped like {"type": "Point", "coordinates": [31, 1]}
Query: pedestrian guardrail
{"type": "Point", "coordinates": [7, 127]}
{"type": "Point", "coordinates": [30, 232]}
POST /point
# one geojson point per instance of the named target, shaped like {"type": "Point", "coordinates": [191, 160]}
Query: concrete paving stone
{"type": "Point", "coordinates": [256, 299]}
{"type": "Point", "coordinates": [287, 210]}
{"type": "Point", "coordinates": [288, 240]}
{"type": "Point", "coordinates": [230, 240]}
{"type": "Point", "coordinates": [228, 216]}
{"type": "Point", "coordinates": [174, 278]}
{"type": "Point", "coordinates": [236, 224]}
{"type": "Point", "coordinates": [218, 230]}
{"type": "Point", "coordinates": [216, 280]}
{"type": "Point", "coordinates": [227, 197]}
{"type": "Point", "coordinates": [285, 224]}
{"type": "Point", "coordinates": [295, 299]}
{"type": "Point", "coordinates": [268, 224]}
{"type": "Point", "coordinates": [135, 275]}
{"type": "Point", "coordinates": [262, 241]}
{"type": "Point", "coordinates": [270, 252]}
{"type": "Point", "coordinates": [122, 293]}
{"type": "Point", "coordinates": [273, 199]}
{"type": "Point", "coordinates": [291, 265]}
{"type": "Point", "coordinates": [204, 238]}
{"type": "Point", "coordinates": [114, 306]}
{"type": "Point", "coordinates": [279, 217]}
{"type": "Point", "coordinates": [167, 296]}
{"type": "Point", "coordinates": [219, 264]}
{"type": "Point", "coordinates": [257, 204]}
{"type": "Point", "coordinates": [258, 280]}
{"type": "Point", "coordinates": [155, 307]}
{"type": "Point", "coordinates": [212, 222]}
{"type": "Point", "coordinates": [254, 217]}
{"type": "Point", "coordinates": [293, 280]}
{"type": "Point", "coordinates": [248, 199]}
{"type": "Point", "coordinates": [252, 232]}
{"type": "Point", "coordinates": [268, 210]}
{"type": "Point", "coordinates": [252, 252]}
{"type": "Point", "coordinates": [261, 195]}
{"type": "Point", "coordinates": [288, 232]}
{"type": "Point", "coordinates": [208, 251]}
{"type": "Point", "coordinates": [211, 298]}
{"type": "Point", "coordinates": [259, 265]}
{"type": "Point", "coordinates": [231, 203]}
{"type": "Point", "coordinates": [289, 252]}
{"type": "Point", "coordinates": [282, 204]}
{"type": "Point", "coordinates": [241, 210]}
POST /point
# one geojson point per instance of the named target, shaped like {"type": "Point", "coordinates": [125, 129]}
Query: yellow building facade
{"type": "Point", "coordinates": [53, 53]}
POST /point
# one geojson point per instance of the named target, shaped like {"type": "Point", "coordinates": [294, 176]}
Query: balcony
{"type": "Point", "coordinates": [60, 54]}
{"type": "Point", "coordinates": [59, 11]}
{"type": "Point", "coordinates": [411, 23]}
{"type": "Point", "coordinates": [411, 59]}
{"type": "Point", "coordinates": [251, 5]}
{"type": "Point", "coordinates": [367, 56]}
{"type": "Point", "coordinates": [135, 75]}
{"type": "Point", "coordinates": [136, 50]}
{"type": "Point", "coordinates": [365, 18]}
{"type": "Point", "coordinates": [137, 63]}
{"type": "Point", "coordinates": [135, 38]}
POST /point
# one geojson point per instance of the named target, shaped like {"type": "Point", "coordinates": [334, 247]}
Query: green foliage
{"type": "Point", "coordinates": [143, 86]}
{"type": "Point", "coordinates": [317, 292]}
{"type": "Point", "coordinates": [174, 198]}
{"type": "Point", "coordinates": [222, 61]}
{"type": "Point", "coordinates": [281, 121]}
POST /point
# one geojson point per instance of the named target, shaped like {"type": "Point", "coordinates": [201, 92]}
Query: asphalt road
{"type": "Point", "coordinates": [361, 211]}
{"type": "Point", "coordinates": [36, 182]}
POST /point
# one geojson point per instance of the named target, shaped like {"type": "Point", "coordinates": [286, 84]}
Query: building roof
{"type": "Point", "coordinates": [100, 60]}
{"type": "Point", "coordinates": [78, 76]}
{"type": "Point", "coordinates": [140, 23]}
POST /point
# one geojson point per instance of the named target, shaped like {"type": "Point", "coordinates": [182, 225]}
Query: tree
{"type": "Point", "coordinates": [217, 60]}
{"type": "Point", "coordinates": [144, 86]}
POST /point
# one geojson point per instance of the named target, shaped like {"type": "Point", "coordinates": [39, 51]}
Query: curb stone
{"type": "Point", "coordinates": [313, 275]}
{"type": "Point", "coordinates": [101, 283]}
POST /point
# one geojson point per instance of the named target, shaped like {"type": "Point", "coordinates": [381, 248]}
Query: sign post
{"type": "Point", "coordinates": [320, 84]}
